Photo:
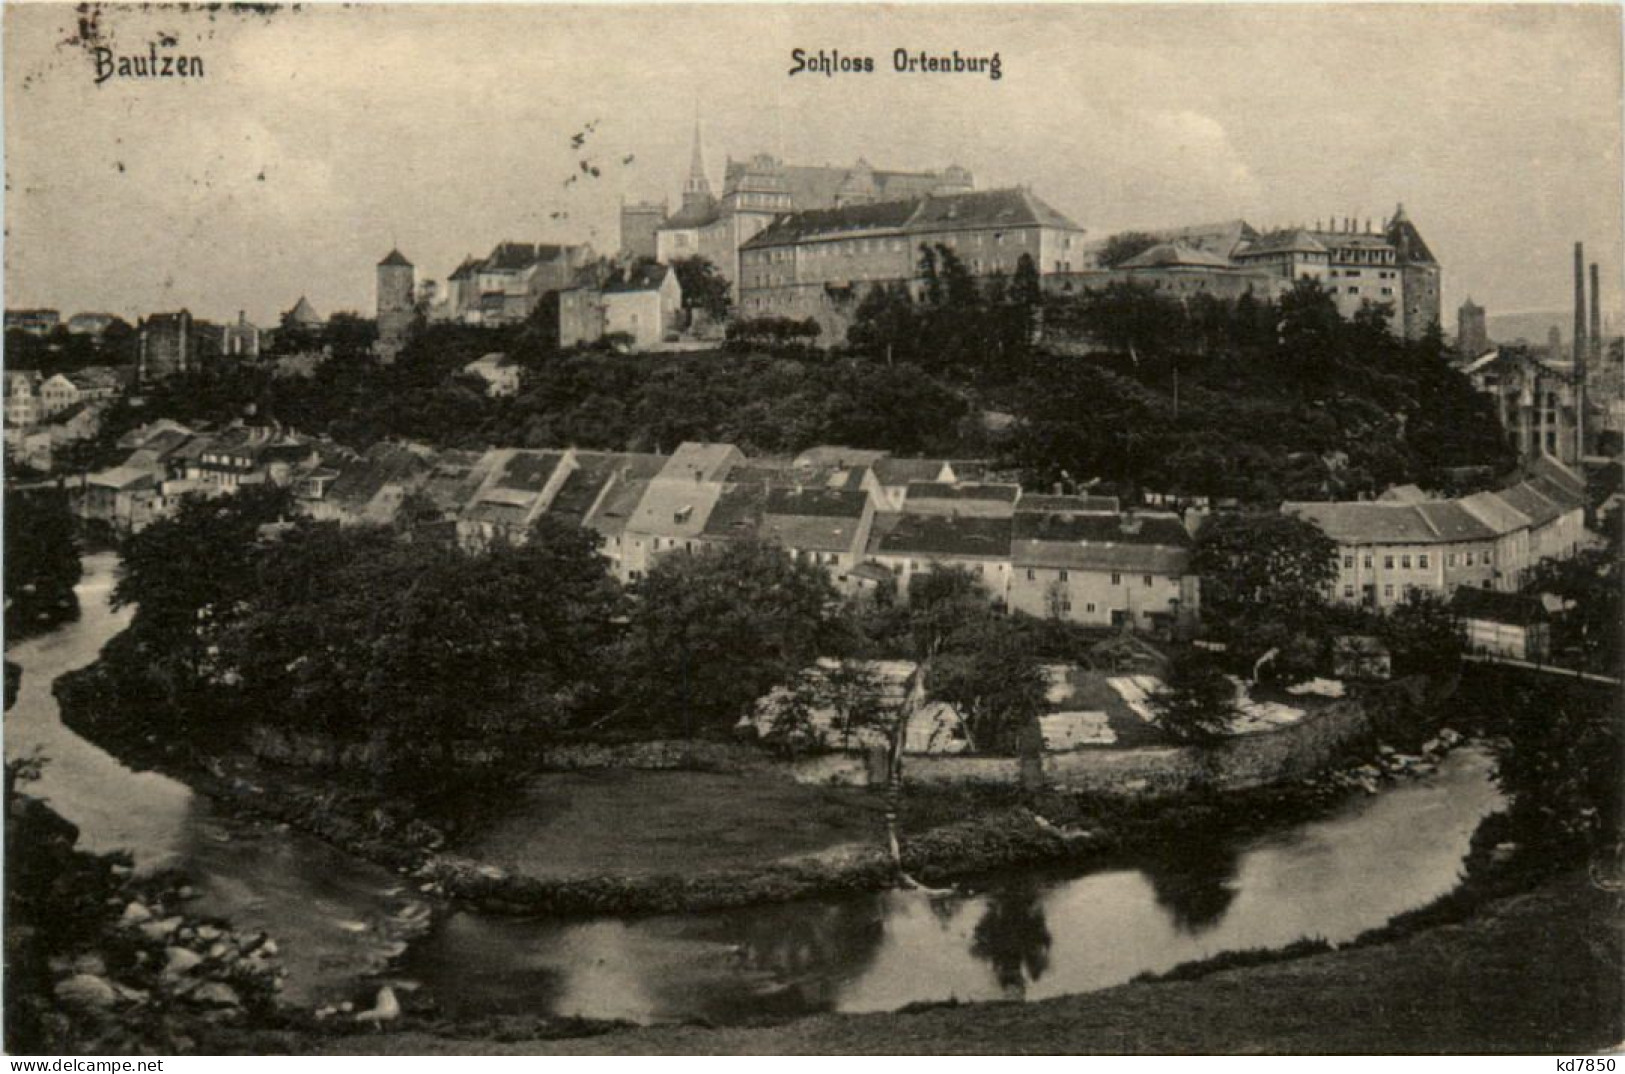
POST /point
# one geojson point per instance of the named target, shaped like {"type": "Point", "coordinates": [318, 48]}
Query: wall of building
{"type": "Point", "coordinates": [1295, 751]}
{"type": "Point", "coordinates": [1092, 597]}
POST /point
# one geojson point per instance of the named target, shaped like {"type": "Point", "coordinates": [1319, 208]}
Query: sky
{"type": "Point", "coordinates": [319, 137]}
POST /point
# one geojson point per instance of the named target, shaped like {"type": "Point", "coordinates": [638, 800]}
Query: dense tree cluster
{"type": "Point", "coordinates": [1255, 400]}
{"type": "Point", "coordinates": [41, 562]}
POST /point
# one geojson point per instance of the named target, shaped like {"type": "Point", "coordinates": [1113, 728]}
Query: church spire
{"type": "Point", "coordinates": [697, 186]}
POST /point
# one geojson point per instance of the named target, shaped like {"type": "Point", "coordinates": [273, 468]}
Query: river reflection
{"type": "Point", "coordinates": [339, 920]}
{"type": "Point", "coordinates": [1194, 882]}
{"type": "Point", "coordinates": [1030, 936]}
{"type": "Point", "coordinates": [336, 919]}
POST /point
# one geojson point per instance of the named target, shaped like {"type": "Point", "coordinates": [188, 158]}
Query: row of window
{"type": "Point", "coordinates": [1117, 578]}
{"type": "Point", "coordinates": [1466, 559]}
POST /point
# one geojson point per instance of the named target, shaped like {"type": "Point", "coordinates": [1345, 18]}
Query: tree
{"type": "Point", "coordinates": [41, 561]}
{"type": "Point", "coordinates": [704, 288]}
{"type": "Point", "coordinates": [455, 666]}
{"type": "Point", "coordinates": [1197, 702]}
{"type": "Point", "coordinates": [713, 631]}
{"type": "Point", "coordinates": [986, 669]}
{"type": "Point", "coordinates": [1423, 635]}
{"type": "Point", "coordinates": [1125, 245]}
{"type": "Point", "coordinates": [1263, 565]}
{"type": "Point", "coordinates": [189, 576]}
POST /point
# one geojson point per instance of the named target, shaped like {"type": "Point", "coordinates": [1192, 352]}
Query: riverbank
{"type": "Point", "coordinates": [1538, 971]}
{"type": "Point", "coordinates": [712, 861]}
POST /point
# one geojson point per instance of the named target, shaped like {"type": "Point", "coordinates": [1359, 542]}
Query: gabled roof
{"type": "Point", "coordinates": [1294, 241]}
{"type": "Point", "coordinates": [302, 313]}
{"type": "Point", "coordinates": [646, 277]}
{"type": "Point", "coordinates": [1404, 237]}
{"type": "Point", "coordinates": [892, 471]}
{"type": "Point", "coordinates": [124, 477]}
{"type": "Point", "coordinates": [466, 270]}
{"type": "Point", "coordinates": [528, 471]}
{"type": "Point", "coordinates": [675, 508]}
{"type": "Point", "coordinates": [1516, 609]}
{"type": "Point", "coordinates": [1454, 522]}
{"type": "Point", "coordinates": [885, 216]}
{"type": "Point", "coordinates": [816, 502]}
{"type": "Point", "coordinates": [1141, 528]}
{"type": "Point", "coordinates": [943, 535]}
{"type": "Point", "coordinates": [510, 257]}
{"type": "Point", "coordinates": [693, 214]}
{"type": "Point", "coordinates": [1367, 522]}
{"type": "Point", "coordinates": [1532, 501]}
{"type": "Point", "coordinates": [615, 508]}
{"type": "Point", "coordinates": [709, 461]}
{"type": "Point", "coordinates": [1496, 513]}
{"type": "Point", "coordinates": [1036, 504]}
{"type": "Point", "coordinates": [360, 480]}
{"type": "Point", "coordinates": [837, 455]}
{"type": "Point", "coordinates": [1175, 255]}
{"type": "Point", "coordinates": [942, 490]}
{"type": "Point", "coordinates": [1008, 207]}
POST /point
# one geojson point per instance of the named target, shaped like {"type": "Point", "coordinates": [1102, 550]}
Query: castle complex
{"type": "Point", "coordinates": [808, 242]}
{"type": "Point", "coordinates": [754, 194]}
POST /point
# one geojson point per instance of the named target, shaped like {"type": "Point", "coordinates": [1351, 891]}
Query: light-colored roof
{"type": "Point", "coordinates": [1175, 254]}
{"type": "Point", "coordinates": [835, 454]}
{"type": "Point", "coordinates": [1489, 508]}
{"type": "Point", "coordinates": [124, 477]}
{"type": "Point", "coordinates": [892, 471]}
{"type": "Point", "coordinates": [710, 461]}
{"type": "Point", "coordinates": [674, 507]}
{"type": "Point", "coordinates": [1358, 523]}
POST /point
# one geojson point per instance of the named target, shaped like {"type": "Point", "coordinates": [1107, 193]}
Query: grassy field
{"type": "Point", "coordinates": [631, 823]}
{"type": "Point", "coordinates": [1533, 973]}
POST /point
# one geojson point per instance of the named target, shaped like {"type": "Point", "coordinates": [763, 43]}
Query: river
{"type": "Point", "coordinates": [340, 921]}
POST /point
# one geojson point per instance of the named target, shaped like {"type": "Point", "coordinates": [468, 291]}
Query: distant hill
{"type": "Point", "coordinates": [1531, 325]}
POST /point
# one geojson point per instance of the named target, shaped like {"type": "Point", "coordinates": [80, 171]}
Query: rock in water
{"type": "Point", "coordinates": [180, 960]}
{"type": "Point", "coordinates": [385, 1009]}
{"type": "Point", "coordinates": [86, 991]}
{"type": "Point", "coordinates": [135, 913]}
{"type": "Point", "coordinates": [216, 994]}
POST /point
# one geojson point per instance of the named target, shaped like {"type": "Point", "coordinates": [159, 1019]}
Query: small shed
{"type": "Point", "coordinates": [1503, 624]}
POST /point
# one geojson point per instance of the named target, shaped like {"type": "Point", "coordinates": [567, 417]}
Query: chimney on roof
{"type": "Point", "coordinates": [1130, 522]}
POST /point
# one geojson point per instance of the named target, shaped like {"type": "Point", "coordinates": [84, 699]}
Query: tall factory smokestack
{"type": "Point", "coordinates": [1579, 342]}
{"type": "Point", "coordinates": [1596, 315]}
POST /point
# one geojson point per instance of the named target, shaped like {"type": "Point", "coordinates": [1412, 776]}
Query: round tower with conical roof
{"type": "Point", "coordinates": [397, 292]}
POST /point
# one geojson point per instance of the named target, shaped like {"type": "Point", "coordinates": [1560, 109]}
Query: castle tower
{"type": "Point", "coordinates": [639, 222]}
{"type": "Point", "coordinates": [397, 287]}
{"type": "Point", "coordinates": [1472, 336]}
{"type": "Point", "coordinates": [1418, 273]}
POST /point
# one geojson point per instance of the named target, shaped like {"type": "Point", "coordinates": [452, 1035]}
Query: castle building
{"type": "Point", "coordinates": [640, 223]}
{"type": "Point", "coordinates": [240, 340]}
{"type": "Point", "coordinates": [169, 344]}
{"type": "Point", "coordinates": [397, 287]}
{"type": "Point", "coordinates": [756, 192]}
{"type": "Point", "coordinates": [1355, 263]}
{"type": "Point", "coordinates": [505, 287]}
{"type": "Point", "coordinates": [819, 264]}
{"type": "Point", "coordinates": [1472, 333]}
